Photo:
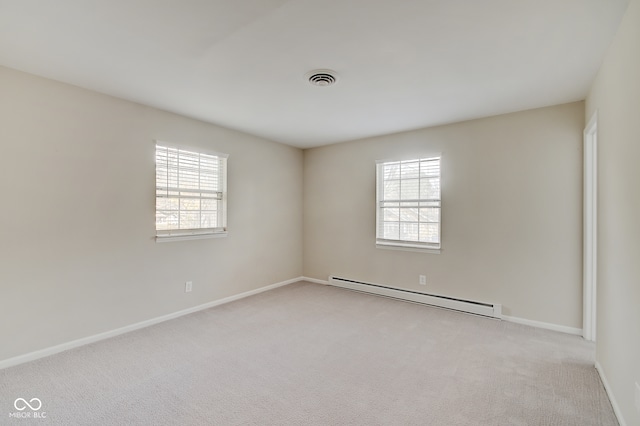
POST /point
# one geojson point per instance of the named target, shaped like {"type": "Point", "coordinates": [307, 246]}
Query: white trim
{"type": "Point", "coordinates": [545, 325]}
{"type": "Point", "coordinates": [185, 237]}
{"type": "Point", "coordinates": [315, 280]}
{"type": "Point", "coordinates": [405, 244]}
{"type": "Point", "coordinates": [491, 310]}
{"type": "Point", "coordinates": [537, 324]}
{"type": "Point", "coordinates": [590, 228]}
{"type": "Point", "coordinates": [612, 399]}
{"type": "Point", "coordinates": [407, 247]}
{"type": "Point", "coordinates": [32, 356]}
{"type": "Point", "coordinates": [167, 164]}
{"type": "Point", "coordinates": [531, 323]}
{"type": "Point", "coordinates": [411, 158]}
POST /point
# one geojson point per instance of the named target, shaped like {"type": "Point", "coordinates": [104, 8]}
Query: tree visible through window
{"type": "Point", "coordinates": [408, 203]}
{"type": "Point", "coordinates": [190, 192]}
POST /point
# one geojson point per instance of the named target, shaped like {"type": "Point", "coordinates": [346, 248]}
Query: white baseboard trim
{"type": "Point", "coordinates": [32, 356]}
{"type": "Point", "coordinates": [315, 280]}
{"type": "Point", "coordinates": [545, 325]}
{"type": "Point", "coordinates": [607, 388]}
{"type": "Point", "coordinates": [523, 321]}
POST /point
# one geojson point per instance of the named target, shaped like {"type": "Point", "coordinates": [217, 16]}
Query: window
{"type": "Point", "coordinates": [190, 193]}
{"type": "Point", "coordinates": [408, 203]}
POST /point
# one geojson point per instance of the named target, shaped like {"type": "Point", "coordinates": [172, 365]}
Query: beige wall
{"type": "Point", "coordinates": [77, 251]}
{"type": "Point", "coordinates": [77, 247]}
{"type": "Point", "coordinates": [616, 96]}
{"type": "Point", "coordinates": [511, 205]}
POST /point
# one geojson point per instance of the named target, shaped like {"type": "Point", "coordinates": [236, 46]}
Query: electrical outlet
{"type": "Point", "coordinates": [422, 279]}
{"type": "Point", "coordinates": [638, 397]}
{"type": "Point", "coordinates": [188, 286]}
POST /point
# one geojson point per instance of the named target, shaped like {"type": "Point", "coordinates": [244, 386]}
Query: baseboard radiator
{"type": "Point", "coordinates": [492, 310]}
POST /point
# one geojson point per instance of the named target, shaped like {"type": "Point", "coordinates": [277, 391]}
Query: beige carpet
{"type": "Point", "coordinates": [312, 354]}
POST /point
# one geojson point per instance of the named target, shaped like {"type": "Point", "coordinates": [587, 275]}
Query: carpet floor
{"type": "Point", "coordinates": [308, 354]}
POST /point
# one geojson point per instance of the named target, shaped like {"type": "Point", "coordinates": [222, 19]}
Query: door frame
{"type": "Point", "coordinates": [590, 228]}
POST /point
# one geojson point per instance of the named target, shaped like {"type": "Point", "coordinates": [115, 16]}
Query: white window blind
{"type": "Point", "coordinates": [190, 192]}
{"type": "Point", "coordinates": [408, 203]}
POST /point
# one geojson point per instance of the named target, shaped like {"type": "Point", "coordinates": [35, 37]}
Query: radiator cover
{"type": "Point", "coordinates": [491, 310]}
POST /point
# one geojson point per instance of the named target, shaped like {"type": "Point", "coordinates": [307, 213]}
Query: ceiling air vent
{"type": "Point", "coordinates": [322, 78]}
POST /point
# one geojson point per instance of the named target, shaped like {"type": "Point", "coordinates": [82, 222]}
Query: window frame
{"type": "Point", "coordinates": [221, 230]}
{"type": "Point", "coordinates": [400, 244]}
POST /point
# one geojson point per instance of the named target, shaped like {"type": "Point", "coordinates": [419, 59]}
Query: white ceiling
{"type": "Point", "coordinates": [402, 64]}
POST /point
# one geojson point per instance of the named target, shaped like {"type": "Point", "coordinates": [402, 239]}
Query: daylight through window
{"type": "Point", "coordinates": [190, 192]}
{"type": "Point", "coordinates": [408, 203]}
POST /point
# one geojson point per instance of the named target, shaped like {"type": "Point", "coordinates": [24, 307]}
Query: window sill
{"type": "Point", "coordinates": [407, 247]}
{"type": "Point", "coordinates": [187, 237]}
